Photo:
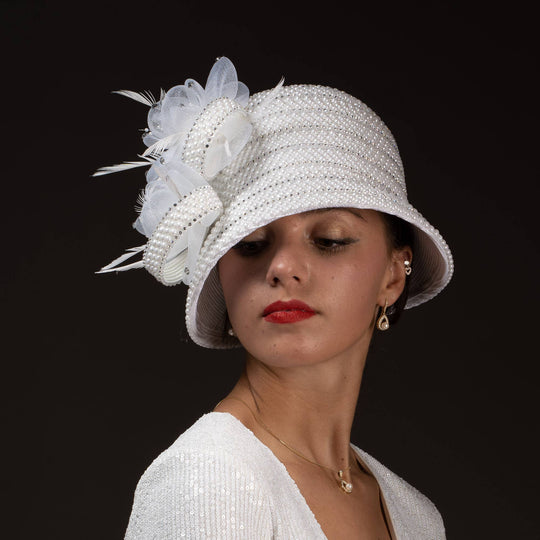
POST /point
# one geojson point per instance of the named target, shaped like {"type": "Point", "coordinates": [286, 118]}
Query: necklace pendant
{"type": "Point", "coordinates": [345, 486]}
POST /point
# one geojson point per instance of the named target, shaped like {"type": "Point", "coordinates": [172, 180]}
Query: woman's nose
{"type": "Point", "coordinates": [287, 265]}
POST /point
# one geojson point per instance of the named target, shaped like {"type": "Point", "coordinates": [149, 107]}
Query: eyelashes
{"type": "Point", "coordinates": [330, 246]}
{"type": "Point", "coordinates": [250, 248]}
{"type": "Point", "coordinates": [326, 246]}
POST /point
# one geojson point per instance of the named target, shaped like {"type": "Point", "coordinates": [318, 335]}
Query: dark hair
{"type": "Point", "coordinates": [400, 234]}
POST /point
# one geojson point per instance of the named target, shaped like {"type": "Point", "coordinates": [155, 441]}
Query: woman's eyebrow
{"type": "Point", "coordinates": [355, 211]}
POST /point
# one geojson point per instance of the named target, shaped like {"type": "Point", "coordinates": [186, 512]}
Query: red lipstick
{"type": "Point", "coordinates": [287, 312]}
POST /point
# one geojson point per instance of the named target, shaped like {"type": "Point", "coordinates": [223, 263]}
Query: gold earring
{"type": "Point", "coordinates": [382, 322]}
{"type": "Point", "coordinates": [408, 267]}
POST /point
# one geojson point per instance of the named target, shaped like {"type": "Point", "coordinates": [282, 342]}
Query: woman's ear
{"type": "Point", "coordinates": [394, 280]}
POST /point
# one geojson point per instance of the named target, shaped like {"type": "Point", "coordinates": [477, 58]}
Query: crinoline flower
{"type": "Point", "coordinates": [193, 133]}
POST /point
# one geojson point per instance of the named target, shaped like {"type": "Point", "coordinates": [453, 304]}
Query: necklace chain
{"type": "Point", "coordinates": [345, 486]}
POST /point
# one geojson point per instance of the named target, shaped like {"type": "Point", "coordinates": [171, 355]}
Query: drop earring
{"type": "Point", "coordinates": [408, 267]}
{"type": "Point", "coordinates": [382, 322]}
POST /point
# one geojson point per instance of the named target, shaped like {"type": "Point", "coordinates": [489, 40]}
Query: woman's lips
{"type": "Point", "coordinates": [287, 312]}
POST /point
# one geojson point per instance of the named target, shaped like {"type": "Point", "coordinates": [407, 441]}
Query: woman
{"type": "Point", "coordinates": [287, 215]}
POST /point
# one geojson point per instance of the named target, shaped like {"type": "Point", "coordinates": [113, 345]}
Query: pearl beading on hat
{"type": "Point", "coordinates": [173, 226]}
{"type": "Point", "coordinates": [204, 129]}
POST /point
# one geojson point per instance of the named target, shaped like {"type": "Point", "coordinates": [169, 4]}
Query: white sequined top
{"type": "Point", "coordinates": [219, 481]}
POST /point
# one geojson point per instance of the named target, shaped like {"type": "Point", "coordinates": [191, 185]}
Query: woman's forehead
{"type": "Point", "coordinates": [329, 215]}
{"type": "Point", "coordinates": [362, 214]}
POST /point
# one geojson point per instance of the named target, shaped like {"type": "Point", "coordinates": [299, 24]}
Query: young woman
{"type": "Point", "coordinates": [287, 215]}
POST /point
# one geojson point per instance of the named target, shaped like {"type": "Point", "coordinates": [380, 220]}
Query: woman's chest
{"type": "Point", "coordinates": [358, 514]}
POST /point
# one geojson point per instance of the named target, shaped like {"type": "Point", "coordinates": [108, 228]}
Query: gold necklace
{"type": "Point", "coordinates": [345, 486]}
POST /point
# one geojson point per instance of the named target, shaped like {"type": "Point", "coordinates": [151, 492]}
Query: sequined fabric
{"type": "Point", "coordinates": [218, 481]}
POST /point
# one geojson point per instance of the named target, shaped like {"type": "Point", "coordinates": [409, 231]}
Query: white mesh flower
{"type": "Point", "coordinates": [193, 124]}
{"type": "Point", "coordinates": [171, 118]}
{"type": "Point", "coordinates": [193, 133]}
{"type": "Point", "coordinates": [167, 183]}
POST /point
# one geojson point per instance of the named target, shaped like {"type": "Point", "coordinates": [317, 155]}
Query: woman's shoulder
{"type": "Point", "coordinates": [413, 514]}
{"type": "Point", "coordinates": [216, 436]}
{"type": "Point", "coordinates": [206, 481]}
{"type": "Point", "coordinates": [217, 445]}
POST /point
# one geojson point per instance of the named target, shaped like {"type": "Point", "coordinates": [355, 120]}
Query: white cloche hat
{"type": "Point", "coordinates": [223, 164]}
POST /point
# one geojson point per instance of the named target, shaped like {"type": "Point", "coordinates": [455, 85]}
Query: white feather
{"type": "Point", "coordinates": [159, 146]}
{"type": "Point", "coordinates": [121, 167]}
{"type": "Point", "coordinates": [145, 97]}
{"type": "Point", "coordinates": [113, 266]}
{"type": "Point", "coordinates": [269, 97]}
{"type": "Point", "coordinates": [138, 264]}
{"type": "Point", "coordinates": [141, 200]}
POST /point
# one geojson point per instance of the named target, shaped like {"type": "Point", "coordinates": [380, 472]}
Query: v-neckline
{"type": "Point", "coordinates": [296, 490]}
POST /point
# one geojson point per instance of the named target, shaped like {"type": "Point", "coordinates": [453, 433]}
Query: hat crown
{"type": "Point", "coordinates": [302, 129]}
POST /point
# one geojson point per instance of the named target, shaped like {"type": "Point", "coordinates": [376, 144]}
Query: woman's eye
{"type": "Point", "coordinates": [250, 248]}
{"type": "Point", "coordinates": [332, 244]}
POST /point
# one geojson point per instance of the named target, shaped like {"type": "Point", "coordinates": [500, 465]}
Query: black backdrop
{"type": "Point", "coordinates": [98, 374]}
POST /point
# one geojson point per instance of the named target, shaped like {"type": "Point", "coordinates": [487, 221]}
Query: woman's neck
{"type": "Point", "coordinates": [311, 408]}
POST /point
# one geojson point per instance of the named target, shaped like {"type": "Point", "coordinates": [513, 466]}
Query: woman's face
{"type": "Point", "coordinates": [306, 288]}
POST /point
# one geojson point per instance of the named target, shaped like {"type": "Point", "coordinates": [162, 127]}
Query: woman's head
{"type": "Point", "coordinates": [308, 286]}
{"type": "Point", "coordinates": [224, 166]}
{"type": "Point", "coordinates": [312, 147]}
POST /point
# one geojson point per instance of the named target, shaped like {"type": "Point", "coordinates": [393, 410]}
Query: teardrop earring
{"type": "Point", "coordinates": [382, 322]}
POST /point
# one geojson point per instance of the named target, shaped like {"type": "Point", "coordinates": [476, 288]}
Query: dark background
{"type": "Point", "coordinates": [98, 375]}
